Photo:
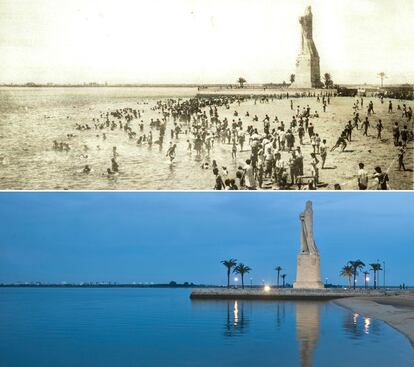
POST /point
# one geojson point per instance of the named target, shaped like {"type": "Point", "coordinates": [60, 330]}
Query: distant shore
{"type": "Point", "coordinates": [396, 310]}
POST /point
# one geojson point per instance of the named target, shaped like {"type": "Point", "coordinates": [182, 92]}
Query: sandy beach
{"type": "Point", "coordinates": [43, 116]}
{"type": "Point", "coordinates": [397, 311]}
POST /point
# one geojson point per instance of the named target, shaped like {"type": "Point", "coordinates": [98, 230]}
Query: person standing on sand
{"type": "Point", "coordinates": [404, 136]}
{"type": "Point", "coordinates": [379, 129]}
{"type": "Point", "coordinates": [362, 177]}
{"type": "Point", "coordinates": [401, 153]}
{"type": "Point", "coordinates": [371, 108]}
{"type": "Point", "coordinates": [219, 181]}
{"type": "Point", "coordinates": [390, 107]}
{"type": "Point", "coordinates": [356, 120]}
{"type": "Point", "coordinates": [315, 169]}
{"type": "Point", "coordinates": [396, 133]}
{"type": "Point", "coordinates": [366, 125]}
{"type": "Point", "coordinates": [324, 152]}
{"type": "Point", "coordinates": [234, 150]}
{"type": "Point", "coordinates": [249, 176]}
{"type": "Point", "coordinates": [301, 133]}
{"type": "Point", "coordinates": [381, 179]}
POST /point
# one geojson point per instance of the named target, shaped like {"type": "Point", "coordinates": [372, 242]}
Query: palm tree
{"type": "Point", "coordinates": [241, 81]}
{"type": "Point", "coordinates": [242, 269]}
{"type": "Point", "coordinates": [229, 264]}
{"type": "Point", "coordinates": [347, 272]}
{"type": "Point", "coordinates": [382, 76]}
{"type": "Point", "coordinates": [278, 269]}
{"type": "Point", "coordinates": [375, 268]}
{"type": "Point", "coordinates": [283, 279]}
{"type": "Point", "coordinates": [356, 265]}
{"type": "Point", "coordinates": [292, 78]}
{"type": "Point", "coordinates": [366, 273]}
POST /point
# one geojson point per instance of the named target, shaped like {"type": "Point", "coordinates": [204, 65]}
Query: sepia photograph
{"type": "Point", "coordinates": [206, 95]}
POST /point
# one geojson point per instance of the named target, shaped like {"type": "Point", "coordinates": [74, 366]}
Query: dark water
{"type": "Point", "coordinates": [163, 327]}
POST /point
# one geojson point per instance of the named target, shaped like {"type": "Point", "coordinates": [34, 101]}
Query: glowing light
{"type": "Point", "coordinates": [367, 279]}
{"type": "Point", "coordinates": [367, 323]}
{"type": "Point", "coordinates": [355, 318]}
{"type": "Point", "coordinates": [266, 288]}
{"type": "Point", "coordinates": [236, 279]}
{"type": "Point", "coordinates": [236, 313]}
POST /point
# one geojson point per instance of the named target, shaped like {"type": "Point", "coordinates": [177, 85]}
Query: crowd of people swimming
{"type": "Point", "coordinates": [274, 149]}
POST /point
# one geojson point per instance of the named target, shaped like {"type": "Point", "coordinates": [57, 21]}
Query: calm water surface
{"type": "Point", "coordinates": [163, 327]}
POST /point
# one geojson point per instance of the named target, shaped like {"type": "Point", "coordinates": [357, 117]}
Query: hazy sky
{"type": "Point", "coordinates": [201, 40]}
{"type": "Point", "coordinates": [159, 237]}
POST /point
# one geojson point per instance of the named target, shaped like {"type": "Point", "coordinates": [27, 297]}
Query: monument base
{"type": "Point", "coordinates": [307, 72]}
{"type": "Point", "coordinates": [309, 272]}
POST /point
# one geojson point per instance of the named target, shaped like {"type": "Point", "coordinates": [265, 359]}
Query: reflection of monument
{"type": "Point", "coordinates": [307, 329]}
{"type": "Point", "coordinates": [308, 271]}
{"type": "Point", "coordinates": [308, 73]}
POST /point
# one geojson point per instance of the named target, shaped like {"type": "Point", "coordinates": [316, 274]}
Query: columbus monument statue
{"type": "Point", "coordinates": [308, 73]}
{"type": "Point", "coordinates": [308, 271]}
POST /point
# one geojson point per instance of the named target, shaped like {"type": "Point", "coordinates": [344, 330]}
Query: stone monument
{"type": "Point", "coordinates": [308, 74]}
{"type": "Point", "coordinates": [308, 274]}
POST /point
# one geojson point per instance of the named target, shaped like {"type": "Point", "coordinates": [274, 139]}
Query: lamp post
{"type": "Point", "coordinates": [251, 282]}
{"type": "Point", "coordinates": [235, 282]}
{"type": "Point", "coordinates": [383, 274]}
{"type": "Point", "coordinates": [365, 278]}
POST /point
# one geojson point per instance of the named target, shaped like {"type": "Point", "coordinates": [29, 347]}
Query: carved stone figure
{"type": "Point", "coordinates": [308, 73]}
{"type": "Point", "coordinates": [308, 45]}
{"type": "Point", "coordinates": [308, 245]}
{"type": "Point", "coordinates": [308, 274]}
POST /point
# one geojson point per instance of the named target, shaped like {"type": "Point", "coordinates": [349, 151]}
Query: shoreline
{"type": "Point", "coordinates": [395, 310]}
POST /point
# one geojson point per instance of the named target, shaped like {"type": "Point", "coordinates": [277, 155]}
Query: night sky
{"type": "Point", "coordinates": [160, 237]}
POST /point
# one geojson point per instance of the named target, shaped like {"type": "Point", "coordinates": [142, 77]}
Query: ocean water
{"type": "Point", "coordinates": [163, 327]}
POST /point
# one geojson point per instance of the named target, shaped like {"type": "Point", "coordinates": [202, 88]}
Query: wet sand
{"type": "Point", "coordinates": [397, 311]}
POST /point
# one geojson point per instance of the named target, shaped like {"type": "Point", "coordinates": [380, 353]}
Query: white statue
{"type": "Point", "coordinates": [307, 243]}
{"type": "Point", "coordinates": [308, 45]}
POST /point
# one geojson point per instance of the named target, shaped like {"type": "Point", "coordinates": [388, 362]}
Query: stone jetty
{"type": "Point", "coordinates": [267, 293]}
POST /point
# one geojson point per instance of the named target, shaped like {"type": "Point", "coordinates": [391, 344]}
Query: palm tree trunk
{"type": "Point", "coordinates": [349, 281]}
{"type": "Point", "coordinates": [242, 281]}
{"type": "Point", "coordinates": [354, 279]}
{"type": "Point", "coordinates": [375, 279]}
{"type": "Point", "coordinates": [228, 278]}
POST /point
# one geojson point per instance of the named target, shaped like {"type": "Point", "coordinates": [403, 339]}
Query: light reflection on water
{"type": "Point", "coordinates": [163, 327]}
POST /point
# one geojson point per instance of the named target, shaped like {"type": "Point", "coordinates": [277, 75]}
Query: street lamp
{"type": "Point", "coordinates": [235, 281]}
{"type": "Point", "coordinates": [383, 273]}
{"type": "Point", "coordinates": [251, 282]}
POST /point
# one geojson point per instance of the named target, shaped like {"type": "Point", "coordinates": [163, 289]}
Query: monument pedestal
{"type": "Point", "coordinates": [308, 274]}
{"type": "Point", "coordinates": [307, 72]}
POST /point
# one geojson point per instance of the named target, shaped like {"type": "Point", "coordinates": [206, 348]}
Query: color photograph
{"type": "Point", "coordinates": [202, 279]}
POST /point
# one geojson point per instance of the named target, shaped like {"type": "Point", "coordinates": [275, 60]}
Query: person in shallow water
{"type": "Point", "coordinates": [115, 166]}
{"type": "Point", "coordinates": [199, 125]}
{"type": "Point", "coordinates": [171, 152]}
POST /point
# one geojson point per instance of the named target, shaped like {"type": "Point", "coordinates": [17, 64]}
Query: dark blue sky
{"type": "Point", "coordinates": [159, 237]}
